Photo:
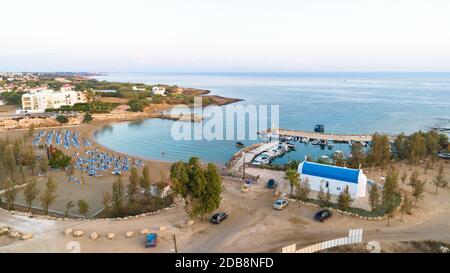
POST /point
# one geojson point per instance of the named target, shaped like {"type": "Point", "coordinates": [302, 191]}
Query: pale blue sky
{"type": "Point", "coordinates": [226, 35]}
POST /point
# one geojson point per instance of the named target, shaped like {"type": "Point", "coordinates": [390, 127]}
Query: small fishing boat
{"type": "Point", "coordinates": [240, 145]}
{"type": "Point", "coordinates": [330, 143]}
{"type": "Point", "coordinates": [305, 140]}
{"type": "Point", "coordinates": [323, 142]}
{"type": "Point", "coordinates": [315, 141]}
{"type": "Point", "coordinates": [291, 146]}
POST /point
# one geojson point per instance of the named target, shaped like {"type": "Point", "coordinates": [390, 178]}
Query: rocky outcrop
{"type": "Point", "coordinates": [38, 122]}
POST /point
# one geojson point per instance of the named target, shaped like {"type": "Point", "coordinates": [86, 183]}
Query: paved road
{"type": "Point", "coordinates": [253, 226]}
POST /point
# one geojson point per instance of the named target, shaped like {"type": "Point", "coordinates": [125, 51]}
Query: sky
{"type": "Point", "coordinates": [226, 35]}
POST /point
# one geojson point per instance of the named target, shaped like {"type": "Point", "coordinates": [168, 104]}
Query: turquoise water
{"type": "Point", "coordinates": [343, 102]}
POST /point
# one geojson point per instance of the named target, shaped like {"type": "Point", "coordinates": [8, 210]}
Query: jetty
{"type": "Point", "coordinates": [321, 136]}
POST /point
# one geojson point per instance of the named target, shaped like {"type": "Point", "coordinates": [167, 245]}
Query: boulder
{"type": "Point", "coordinates": [4, 231]}
{"type": "Point", "coordinates": [111, 235]}
{"type": "Point", "coordinates": [161, 228]}
{"type": "Point", "coordinates": [444, 249]}
{"type": "Point", "coordinates": [14, 234]}
{"type": "Point", "coordinates": [78, 233]}
{"type": "Point", "coordinates": [94, 236]}
{"type": "Point", "coordinates": [190, 222]}
{"type": "Point", "coordinates": [68, 231]}
{"type": "Point", "coordinates": [26, 236]}
{"type": "Point", "coordinates": [143, 232]}
{"type": "Point", "coordinates": [129, 234]}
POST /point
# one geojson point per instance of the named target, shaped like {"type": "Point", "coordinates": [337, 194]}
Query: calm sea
{"type": "Point", "coordinates": [344, 102]}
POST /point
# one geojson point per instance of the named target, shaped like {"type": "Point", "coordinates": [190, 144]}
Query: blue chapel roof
{"type": "Point", "coordinates": [330, 172]}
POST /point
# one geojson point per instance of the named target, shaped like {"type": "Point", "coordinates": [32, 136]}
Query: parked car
{"type": "Point", "coordinates": [271, 184]}
{"type": "Point", "coordinates": [280, 203]}
{"type": "Point", "coordinates": [218, 217]}
{"type": "Point", "coordinates": [152, 240]}
{"type": "Point", "coordinates": [322, 215]}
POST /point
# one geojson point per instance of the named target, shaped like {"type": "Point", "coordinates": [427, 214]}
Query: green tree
{"type": "Point", "coordinates": [196, 187]}
{"type": "Point", "coordinates": [211, 197]}
{"type": "Point", "coordinates": [292, 176]}
{"type": "Point", "coordinates": [145, 181]}
{"type": "Point", "coordinates": [69, 205]}
{"type": "Point", "coordinates": [418, 187]}
{"type": "Point", "coordinates": [401, 145]}
{"type": "Point", "coordinates": [417, 147]}
{"type": "Point", "coordinates": [106, 200]}
{"type": "Point", "coordinates": [28, 158]}
{"type": "Point", "coordinates": [134, 184]}
{"type": "Point", "coordinates": [43, 165]}
{"type": "Point", "coordinates": [10, 193]}
{"type": "Point", "coordinates": [406, 207]}
{"type": "Point", "coordinates": [62, 119]}
{"type": "Point", "coordinates": [390, 187]}
{"type": "Point", "coordinates": [117, 195]}
{"type": "Point", "coordinates": [49, 195]}
{"type": "Point", "coordinates": [358, 156]}
{"type": "Point", "coordinates": [344, 199]}
{"type": "Point", "coordinates": [321, 197]}
{"type": "Point", "coordinates": [380, 153]}
{"type": "Point", "coordinates": [83, 207]}
{"type": "Point", "coordinates": [404, 177]}
{"type": "Point", "coordinates": [87, 117]}
{"type": "Point", "coordinates": [30, 193]}
{"type": "Point", "coordinates": [439, 180]}
{"type": "Point", "coordinates": [59, 160]}
{"type": "Point", "coordinates": [9, 160]}
{"type": "Point", "coordinates": [374, 197]}
{"type": "Point", "coordinates": [180, 178]}
{"type": "Point", "coordinates": [200, 188]}
{"type": "Point", "coordinates": [30, 131]}
{"type": "Point", "coordinates": [303, 190]}
{"type": "Point", "coordinates": [70, 170]}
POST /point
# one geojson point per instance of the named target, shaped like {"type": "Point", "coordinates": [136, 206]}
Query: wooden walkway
{"type": "Point", "coordinates": [324, 136]}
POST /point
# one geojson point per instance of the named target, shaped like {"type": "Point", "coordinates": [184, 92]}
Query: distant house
{"type": "Point", "coordinates": [333, 178]}
{"type": "Point", "coordinates": [106, 91]}
{"type": "Point", "coordinates": [135, 88]}
{"type": "Point", "coordinates": [156, 90]}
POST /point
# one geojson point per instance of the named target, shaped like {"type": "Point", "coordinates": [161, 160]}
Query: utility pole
{"type": "Point", "coordinates": [243, 166]}
{"type": "Point", "coordinates": [175, 243]}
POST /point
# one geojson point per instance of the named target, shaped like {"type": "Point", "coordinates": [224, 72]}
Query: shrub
{"type": "Point", "coordinates": [62, 119]}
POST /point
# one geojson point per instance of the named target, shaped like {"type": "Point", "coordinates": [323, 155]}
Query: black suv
{"type": "Point", "coordinates": [322, 215]}
{"type": "Point", "coordinates": [218, 217]}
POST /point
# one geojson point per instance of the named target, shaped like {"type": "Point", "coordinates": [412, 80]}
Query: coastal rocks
{"type": "Point", "coordinates": [68, 231]}
{"type": "Point", "coordinates": [26, 122]}
{"type": "Point", "coordinates": [111, 236]}
{"type": "Point", "coordinates": [129, 234]}
{"type": "Point", "coordinates": [14, 234]}
{"type": "Point", "coordinates": [4, 231]}
{"type": "Point", "coordinates": [78, 233]}
{"type": "Point", "coordinates": [94, 236]}
{"type": "Point", "coordinates": [143, 232]}
{"type": "Point", "coordinates": [161, 228]}
{"type": "Point", "coordinates": [444, 249]}
{"type": "Point", "coordinates": [26, 236]}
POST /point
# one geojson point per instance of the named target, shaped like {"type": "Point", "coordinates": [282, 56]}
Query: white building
{"type": "Point", "coordinates": [333, 178]}
{"type": "Point", "coordinates": [156, 90]}
{"type": "Point", "coordinates": [135, 88]}
{"type": "Point", "coordinates": [39, 99]}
